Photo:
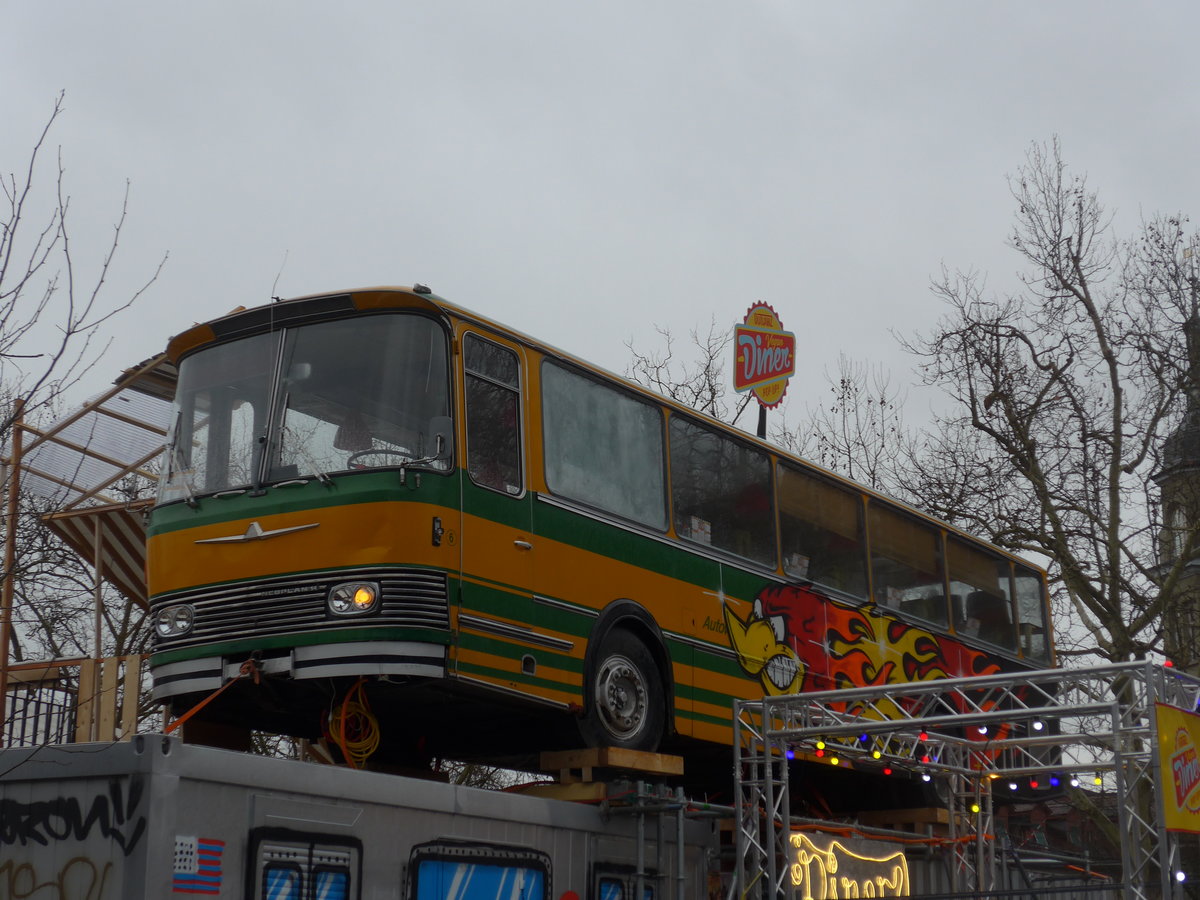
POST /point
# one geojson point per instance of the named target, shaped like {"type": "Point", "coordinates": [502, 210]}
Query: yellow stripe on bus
{"type": "Point", "coordinates": [344, 536]}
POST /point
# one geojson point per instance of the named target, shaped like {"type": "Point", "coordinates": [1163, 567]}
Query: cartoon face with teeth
{"type": "Point", "coordinates": [761, 651]}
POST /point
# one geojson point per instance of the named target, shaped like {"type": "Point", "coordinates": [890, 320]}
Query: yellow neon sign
{"type": "Point", "coordinates": [835, 871]}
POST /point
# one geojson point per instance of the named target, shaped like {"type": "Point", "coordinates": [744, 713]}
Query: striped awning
{"type": "Point", "coordinates": [113, 539]}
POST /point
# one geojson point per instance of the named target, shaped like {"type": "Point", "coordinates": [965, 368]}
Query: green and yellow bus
{"type": "Point", "coordinates": [379, 490]}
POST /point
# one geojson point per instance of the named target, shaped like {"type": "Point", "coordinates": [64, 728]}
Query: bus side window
{"type": "Point", "coordinates": [982, 579]}
{"type": "Point", "coordinates": [906, 564]}
{"type": "Point", "coordinates": [1031, 614]}
{"type": "Point", "coordinates": [603, 446]}
{"type": "Point", "coordinates": [493, 398]}
{"type": "Point", "coordinates": [821, 530]}
{"type": "Point", "coordinates": [721, 492]}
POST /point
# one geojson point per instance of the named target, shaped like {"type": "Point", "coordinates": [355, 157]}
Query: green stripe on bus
{"type": "Point", "coordinates": [478, 598]}
{"type": "Point", "coordinates": [346, 490]}
{"type": "Point", "coordinates": [497, 646]}
{"type": "Point", "coordinates": [630, 547]}
{"type": "Point", "coordinates": [494, 506]}
{"type": "Point", "coordinates": [703, 695]}
{"type": "Point", "coordinates": [694, 716]}
{"type": "Point", "coordinates": [517, 677]}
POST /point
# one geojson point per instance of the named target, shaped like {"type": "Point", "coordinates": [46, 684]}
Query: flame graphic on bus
{"type": "Point", "coordinates": [795, 639]}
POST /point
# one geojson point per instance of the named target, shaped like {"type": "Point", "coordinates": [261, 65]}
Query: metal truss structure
{"type": "Point", "coordinates": [968, 734]}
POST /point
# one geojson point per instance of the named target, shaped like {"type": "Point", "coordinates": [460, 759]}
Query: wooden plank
{"type": "Point", "coordinates": [578, 792]}
{"type": "Point", "coordinates": [611, 758]}
{"type": "Point", "coordinates": [48, 675]}
{"type": "Point", "coordinates": [107, 712]}
{"type": "Point", "coordinates": [922, 815]}
{"type": "Point", "coordinates": [86, 706]}
{"type": "Point", "coordinates": [130, 695]}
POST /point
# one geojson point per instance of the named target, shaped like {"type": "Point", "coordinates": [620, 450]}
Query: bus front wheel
{"type": "Point", "coordinates": [625, 705]}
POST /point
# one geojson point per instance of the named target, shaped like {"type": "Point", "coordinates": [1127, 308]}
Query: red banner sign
{"type": "Point", "coordinates": [764, 355]}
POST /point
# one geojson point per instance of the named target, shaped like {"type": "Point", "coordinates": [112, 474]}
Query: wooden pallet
{"type": "Point", "coordinates": [573, 766]}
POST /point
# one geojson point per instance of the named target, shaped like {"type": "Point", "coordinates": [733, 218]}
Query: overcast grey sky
{"type": "Point", "coordinates": [584, 171]}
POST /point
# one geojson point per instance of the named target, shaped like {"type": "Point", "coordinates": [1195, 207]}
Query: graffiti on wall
{"type": "Point", "coordinates": [114, 815]}
{"type": "Point", "coordinates": [79, 878]}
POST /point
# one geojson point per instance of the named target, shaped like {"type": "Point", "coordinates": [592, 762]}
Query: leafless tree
{"type": "Point", "coordinates": [54, 310]}
{"type": "Point", "coordinates": [52, 315]}
{"type": "Point", "coordinates": [698, 382]}
{"type": "Point", "coordinates": [858, 430]}
{"type": "Point", "coordinates": [1064, 392]}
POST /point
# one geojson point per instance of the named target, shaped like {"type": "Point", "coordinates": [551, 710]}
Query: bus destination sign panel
{"type": "Point", "coordinates": [764, 355]}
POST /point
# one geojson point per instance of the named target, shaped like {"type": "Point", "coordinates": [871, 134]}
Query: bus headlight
{"type": "Point", "coordinates": [172, 621]}
{"type": "Point", "coordinates": [353, 598]}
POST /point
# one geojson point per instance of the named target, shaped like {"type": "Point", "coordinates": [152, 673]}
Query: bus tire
{"type": "Point", "coordinates": [625, 704]}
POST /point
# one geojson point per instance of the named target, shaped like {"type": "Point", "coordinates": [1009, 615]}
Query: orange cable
{"type": "Point", "coordinates": [249, 667]}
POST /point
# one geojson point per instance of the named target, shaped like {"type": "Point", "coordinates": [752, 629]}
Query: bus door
{"type": "Point", "coordinates": [497, 546]}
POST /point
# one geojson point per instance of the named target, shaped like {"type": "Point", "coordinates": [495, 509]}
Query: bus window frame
{"type": "Point", "coordinates": [274, 411]}
{"type": "Point", "coordinates": [726, 433]}
{"type": "Point", "coordinates": [925, 523]}
{"type": "Point", "coordinates": [521, 392]}
{"type": "Point", "coordinates": [664, 443]}
{"type": "Point", "coordinates": [784, 468]}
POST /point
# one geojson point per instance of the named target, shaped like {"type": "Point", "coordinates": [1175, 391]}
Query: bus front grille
{"type": "Point", "coordinates": [414, 598]}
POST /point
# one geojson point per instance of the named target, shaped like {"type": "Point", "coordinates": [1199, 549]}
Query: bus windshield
{"type": "Point", "coordinates": [333, 396]}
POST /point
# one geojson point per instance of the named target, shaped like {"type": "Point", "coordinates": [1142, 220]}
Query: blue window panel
{"type": "Point", "coordinates": [452, 880]}
{"type": "Point", "coordinates": [280, 883]}
{"type": "Point", "coordinates": [331, 884]}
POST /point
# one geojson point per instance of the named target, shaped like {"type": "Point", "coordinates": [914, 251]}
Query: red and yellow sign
{"type": "Point", "coordinates": [764, 355]}
{"type": "Point", "coordinates": [1178, 736]}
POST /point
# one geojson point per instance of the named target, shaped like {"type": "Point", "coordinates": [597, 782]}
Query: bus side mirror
{"type": "Point", "coordinates": [442, 429]}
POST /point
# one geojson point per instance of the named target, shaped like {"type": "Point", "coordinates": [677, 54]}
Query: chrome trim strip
{"type": "Point", "coordinates": [517, 632]}
{"type": "Point", "coordinates": [255, 532]}
{"type": "Point", "coordinates": [566, 607]}
{"type": "Point", "coordinates": [697, 644]}
{"type": "Point", "coordinates": [512, 692]}
{"type": "Point", "coordinates": [186, 677]}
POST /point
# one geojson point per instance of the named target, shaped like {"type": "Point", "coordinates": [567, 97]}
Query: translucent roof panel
{"type": "Point", "coordinates": [117, 433]}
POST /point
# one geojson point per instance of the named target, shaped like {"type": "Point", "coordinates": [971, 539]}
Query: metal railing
{"type": "Point", "coordinates": [65, 701]}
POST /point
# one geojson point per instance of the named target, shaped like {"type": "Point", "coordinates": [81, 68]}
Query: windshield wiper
{"type": "Point", "coordinates": [175, 461]}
